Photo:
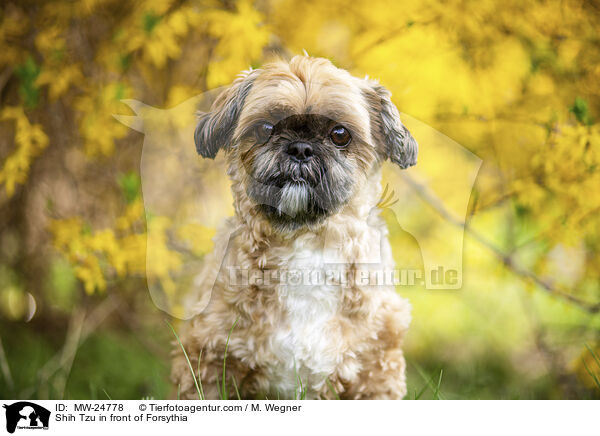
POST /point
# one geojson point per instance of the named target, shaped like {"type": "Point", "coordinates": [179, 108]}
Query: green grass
{"type": "Point", "coordinates": [434, 387]}
{"type": "Point", "coordinates": [432, 382]}
{"type": "Point", "coordinates": [221, 382]}
{"type": "Point", "coordinates": [196, 383]}
{"type": "Point", "coordinates": [300, 390]}
{"type": "Point", "coordinates": [593, 374]}
{"type": "Point", "coordinates": [224, 390]}
{"type": "Point", "coordinates": [97, 371]}
{"type": "Point", "coordinates": [332, 390]}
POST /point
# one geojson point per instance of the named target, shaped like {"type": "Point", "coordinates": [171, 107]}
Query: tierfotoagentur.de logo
{"type": "Point", "coordinates": [25, 415]}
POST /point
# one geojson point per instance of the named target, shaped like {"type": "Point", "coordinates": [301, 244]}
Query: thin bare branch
{"type": "Point", "coordinates": [506, 259]}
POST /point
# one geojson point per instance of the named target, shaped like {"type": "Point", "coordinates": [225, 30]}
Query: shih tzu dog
{"type": "Point", "coordinates": [304, 143]}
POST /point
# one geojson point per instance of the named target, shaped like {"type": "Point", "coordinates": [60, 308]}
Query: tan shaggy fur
{"type": "Point", "coordinates": [349, 336]}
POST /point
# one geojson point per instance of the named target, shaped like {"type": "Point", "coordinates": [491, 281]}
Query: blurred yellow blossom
{"type": "Point", "coordinates": [98, 128]}
{"type": "Point", "coordinates": [30, 141]}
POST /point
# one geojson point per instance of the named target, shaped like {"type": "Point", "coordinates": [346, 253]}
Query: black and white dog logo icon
{"type": "Point", "coordinates": [26, 415]}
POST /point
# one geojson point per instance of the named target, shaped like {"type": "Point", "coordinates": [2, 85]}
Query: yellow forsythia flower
{"type": "Point", "coordinates": [30, 141]}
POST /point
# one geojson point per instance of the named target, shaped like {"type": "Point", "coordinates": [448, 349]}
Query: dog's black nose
{"type": "Point", "coordinates": [300, 151]}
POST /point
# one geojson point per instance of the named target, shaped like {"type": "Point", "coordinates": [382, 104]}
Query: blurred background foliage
{"type": "Point", "coordinates": [514, 82]}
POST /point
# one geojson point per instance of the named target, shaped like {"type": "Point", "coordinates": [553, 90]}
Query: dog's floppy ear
{"type": "Point", "coordinates": [215, 128]}
{"type": "Point", "coordinates": [398, 144]}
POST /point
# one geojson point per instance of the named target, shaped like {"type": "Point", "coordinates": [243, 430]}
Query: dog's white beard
{"type": "Point", "coordinates": [294, 199]}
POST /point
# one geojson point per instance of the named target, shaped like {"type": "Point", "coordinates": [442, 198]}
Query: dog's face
{"type": "Point", "coordinates": [304, 135]}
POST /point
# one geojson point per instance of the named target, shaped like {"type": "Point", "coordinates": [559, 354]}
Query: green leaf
{"type": "Point", "coordinates": [119, 92]}
{"type": "Point", "coordinates": [150, 20]}
{"type": "Point", "coordinates": [125, 61]}
{"type": "Point", "coordinates": [27, 74]}
{"type": "Point", "coordinates": [130, 186]}
{"type": "Point", "coordinates": [581, 111]}
{"type": "Point", "coordinates": [62, 284]}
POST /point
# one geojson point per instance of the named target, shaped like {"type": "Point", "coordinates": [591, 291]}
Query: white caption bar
{"type": "Point", "coordinates": [22, 418]}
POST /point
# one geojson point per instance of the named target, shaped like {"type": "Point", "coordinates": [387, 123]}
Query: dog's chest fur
{"type": "Point", "coordinates": [305, 347]}
{"type": "Point", "coordinates": [308, 343]}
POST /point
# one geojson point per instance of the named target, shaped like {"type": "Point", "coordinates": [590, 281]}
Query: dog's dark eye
{"type": "Point", "coordinates": [340, 136]}
{"type": "Point", "coordinates": [263, 132]}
